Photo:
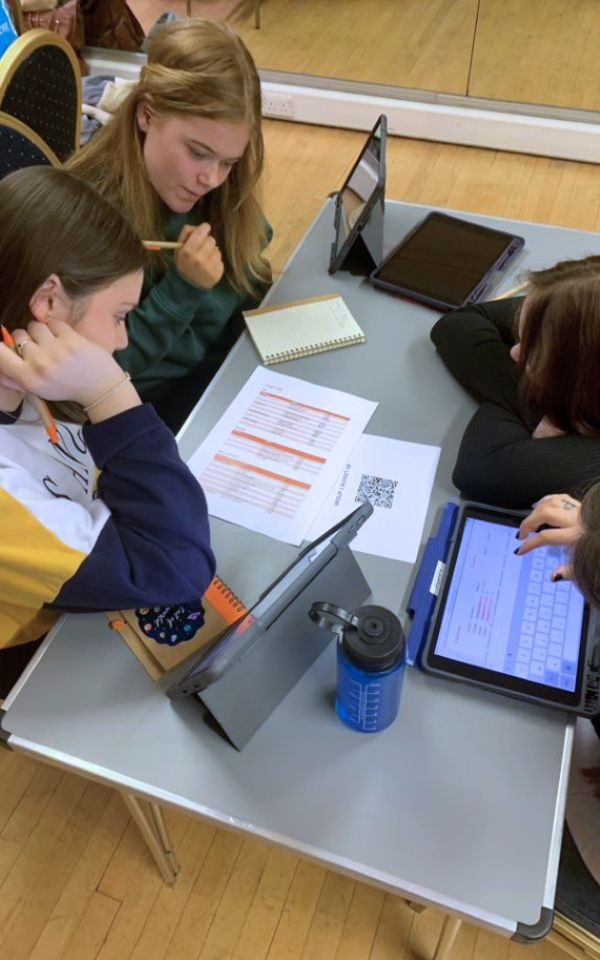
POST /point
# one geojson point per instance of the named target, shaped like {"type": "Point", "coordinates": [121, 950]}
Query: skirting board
{"type": "Point", "coordinates": [421, 119]}
{"type": "Point", "coordinates": [492, 129]}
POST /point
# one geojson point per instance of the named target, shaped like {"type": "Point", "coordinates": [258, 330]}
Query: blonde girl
{"type": "Point", "coordinates": [182, 157]}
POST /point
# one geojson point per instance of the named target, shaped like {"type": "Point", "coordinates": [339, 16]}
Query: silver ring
{"type": "Point", "coordinates": [21, 346]}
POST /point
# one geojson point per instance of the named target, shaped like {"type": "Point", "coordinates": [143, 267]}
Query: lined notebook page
{"type": "Point", "coordinates": [303, 328]}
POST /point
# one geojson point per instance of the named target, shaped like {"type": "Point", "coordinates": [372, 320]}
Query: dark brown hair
{"type": "Point", "coordinates": [586, 552]}
{"type": "Point", "coordinates": [52, 222]}
{"type": "Point", "coordinates": [585, 559]}
{"type": "Point", "coordinates": [592, 775]}
{"type": "Point", "coordinates": [560, 344]}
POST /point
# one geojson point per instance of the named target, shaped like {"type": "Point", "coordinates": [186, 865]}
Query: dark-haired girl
{"type": "Point", "coordinates": [533, 365]}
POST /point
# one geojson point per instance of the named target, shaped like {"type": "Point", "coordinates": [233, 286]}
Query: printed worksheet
{"type": "Point", "coordinates": [397, 478]}
{"type": "Point", "coordinates": [271, 460]}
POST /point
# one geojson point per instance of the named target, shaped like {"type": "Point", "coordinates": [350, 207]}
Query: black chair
{"type": "Point", "coordinates": [40, 85]}
{"type": "Point", "coordinates": [21, 147]}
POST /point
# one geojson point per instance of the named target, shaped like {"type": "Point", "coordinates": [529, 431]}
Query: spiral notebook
{"type": "Point", "coordinates": [163, 637]}
{"type": "Point", "coordinates": [302, 328]}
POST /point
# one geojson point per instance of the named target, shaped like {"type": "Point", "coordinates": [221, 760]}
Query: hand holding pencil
{"type": "Point", "coordinates": [197, 256]}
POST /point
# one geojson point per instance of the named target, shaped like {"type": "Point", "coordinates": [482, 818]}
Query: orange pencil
{"type": "Point", "coordinates": [40, 405]}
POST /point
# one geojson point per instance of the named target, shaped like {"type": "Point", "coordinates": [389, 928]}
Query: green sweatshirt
{"type": "Point", "coordinates": [176, 324]}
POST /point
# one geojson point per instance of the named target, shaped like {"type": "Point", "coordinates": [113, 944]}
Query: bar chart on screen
{"type": "Point", "coordinates": [270, 461]}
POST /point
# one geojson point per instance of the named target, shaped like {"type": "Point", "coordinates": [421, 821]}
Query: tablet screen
{"type": "Point", "coordinates": [445, 259]}
{"type": "Point", "coordinates": [502, 618]}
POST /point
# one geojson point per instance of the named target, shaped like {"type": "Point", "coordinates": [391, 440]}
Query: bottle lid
{"type": "Point", "coordinates": [376, 641]}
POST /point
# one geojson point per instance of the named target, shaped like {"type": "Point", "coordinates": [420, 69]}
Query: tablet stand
{"type": "Point", "coordinates": [365, 251]}
{"type": "Point", "coordinates": [250, 690]}
{"type": "Point", "coordinates": [358, 260]}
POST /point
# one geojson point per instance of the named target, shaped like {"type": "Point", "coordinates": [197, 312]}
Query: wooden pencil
{"type": "Point", "coordinates": [512, 292]}
{"type": "Point", "coordinates": [161, 244]}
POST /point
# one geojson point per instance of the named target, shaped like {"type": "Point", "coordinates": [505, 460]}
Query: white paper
{"type": "Point", "coordinates": [397, 478]}
{"type": "Point", "coordinates": [271, 460]}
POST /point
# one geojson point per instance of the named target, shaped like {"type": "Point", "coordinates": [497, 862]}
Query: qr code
{"type": "Point", "coordinates": [376, 490]}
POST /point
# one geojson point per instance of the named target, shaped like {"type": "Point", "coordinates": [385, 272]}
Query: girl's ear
{"type": "Point", "coordinates": [49, 300]}
{"type": "Point", "coordinates": [143, 115]}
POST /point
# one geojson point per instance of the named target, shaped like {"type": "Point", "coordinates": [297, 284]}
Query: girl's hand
{"type": "Point", "coordinates": [57, 363]}
{"type": "Point", "coordinates": [554, 521]}
{"type": "Point", "coordinates": [199, 260]}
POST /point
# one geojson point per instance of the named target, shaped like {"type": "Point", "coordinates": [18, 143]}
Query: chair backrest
{"type": "Point", "coordinates": [21, 147]}
{"type": "Point", "coordinates": [40, 84]}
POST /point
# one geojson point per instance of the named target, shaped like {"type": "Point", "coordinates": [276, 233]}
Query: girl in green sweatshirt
{"type": "Point", "coordinates": [182, 157]}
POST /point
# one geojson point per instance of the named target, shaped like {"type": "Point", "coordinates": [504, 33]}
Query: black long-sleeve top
{"type": "Point", "coordinates": [499, 461]}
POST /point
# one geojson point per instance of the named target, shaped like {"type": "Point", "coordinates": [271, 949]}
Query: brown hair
{"type": "Point", "coordinates": [592, 775]}
{"type": "Point", "coordinates": [586, 552]}
{"type": "Point", "coordinates": [51, 222]}
{"type": "Point", "coordinates": [198, 68]}
{"type": "Point", "coordinates": [560, 344]}
{"type": "Point", "coordinates": [585, 559]}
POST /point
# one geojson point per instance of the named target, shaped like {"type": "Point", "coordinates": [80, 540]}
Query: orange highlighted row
{"type": "Point", "coordinates": [220, 458]}
{"type": "Point", "coordinates": [278, 446]}
{"type": "Point", "coordinates": [305, 406]}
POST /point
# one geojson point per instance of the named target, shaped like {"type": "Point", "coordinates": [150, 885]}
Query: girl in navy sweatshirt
{"type": "Point", "coordinates": [107, 516]}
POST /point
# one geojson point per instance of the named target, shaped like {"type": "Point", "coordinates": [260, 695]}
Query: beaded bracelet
{"type": "Point", "coordinates": [125, 379]}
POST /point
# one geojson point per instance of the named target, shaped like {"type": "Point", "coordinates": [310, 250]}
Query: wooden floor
{"type": "Point", "coordinates": [76, 881]}
{"type": "Point", "coordinates": [530, 51]}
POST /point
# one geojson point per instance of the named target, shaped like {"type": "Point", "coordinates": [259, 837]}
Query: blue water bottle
{"type": "Point", "coordinates": [371, 658]}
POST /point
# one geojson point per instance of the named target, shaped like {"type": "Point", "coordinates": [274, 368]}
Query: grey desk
{"type": "Point", "coordinates": [460, 803]}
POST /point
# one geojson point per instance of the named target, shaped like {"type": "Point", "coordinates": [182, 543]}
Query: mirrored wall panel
{"type": "Point", "coordinates": [529, 51]}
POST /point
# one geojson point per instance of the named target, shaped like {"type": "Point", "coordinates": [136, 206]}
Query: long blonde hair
{"type": "Point", "coordinates": [202, 68]}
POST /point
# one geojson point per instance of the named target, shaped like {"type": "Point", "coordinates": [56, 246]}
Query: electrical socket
{"type": "Point", "coordinates": [277, 105]}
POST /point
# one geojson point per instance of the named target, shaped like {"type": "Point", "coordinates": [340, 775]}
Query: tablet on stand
{"type": "Point", "coordinates": [243, 677]}
{"type": "Point", "coordinates": [359, 209]}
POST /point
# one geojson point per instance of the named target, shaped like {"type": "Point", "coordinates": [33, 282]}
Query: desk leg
{"type": "Point", "coordinates": [163, 835]}
{"type": "Point", "coordinates": [415, 907]}
{"type": "Point", "coordinates": [447, 938]}
{"type": "Point", "coordinates": [151, 835]}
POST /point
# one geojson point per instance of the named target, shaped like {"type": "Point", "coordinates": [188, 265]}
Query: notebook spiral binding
{"type": "Point", "coordinates": [314, 348]}
{"type": "Point", "coordinates": [224, 600]}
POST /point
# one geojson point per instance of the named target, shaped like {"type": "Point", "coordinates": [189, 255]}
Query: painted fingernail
{"type": "Point", "coordinates": [556, 577]}
{"type": "Point", "coordinates": [517, 551]}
